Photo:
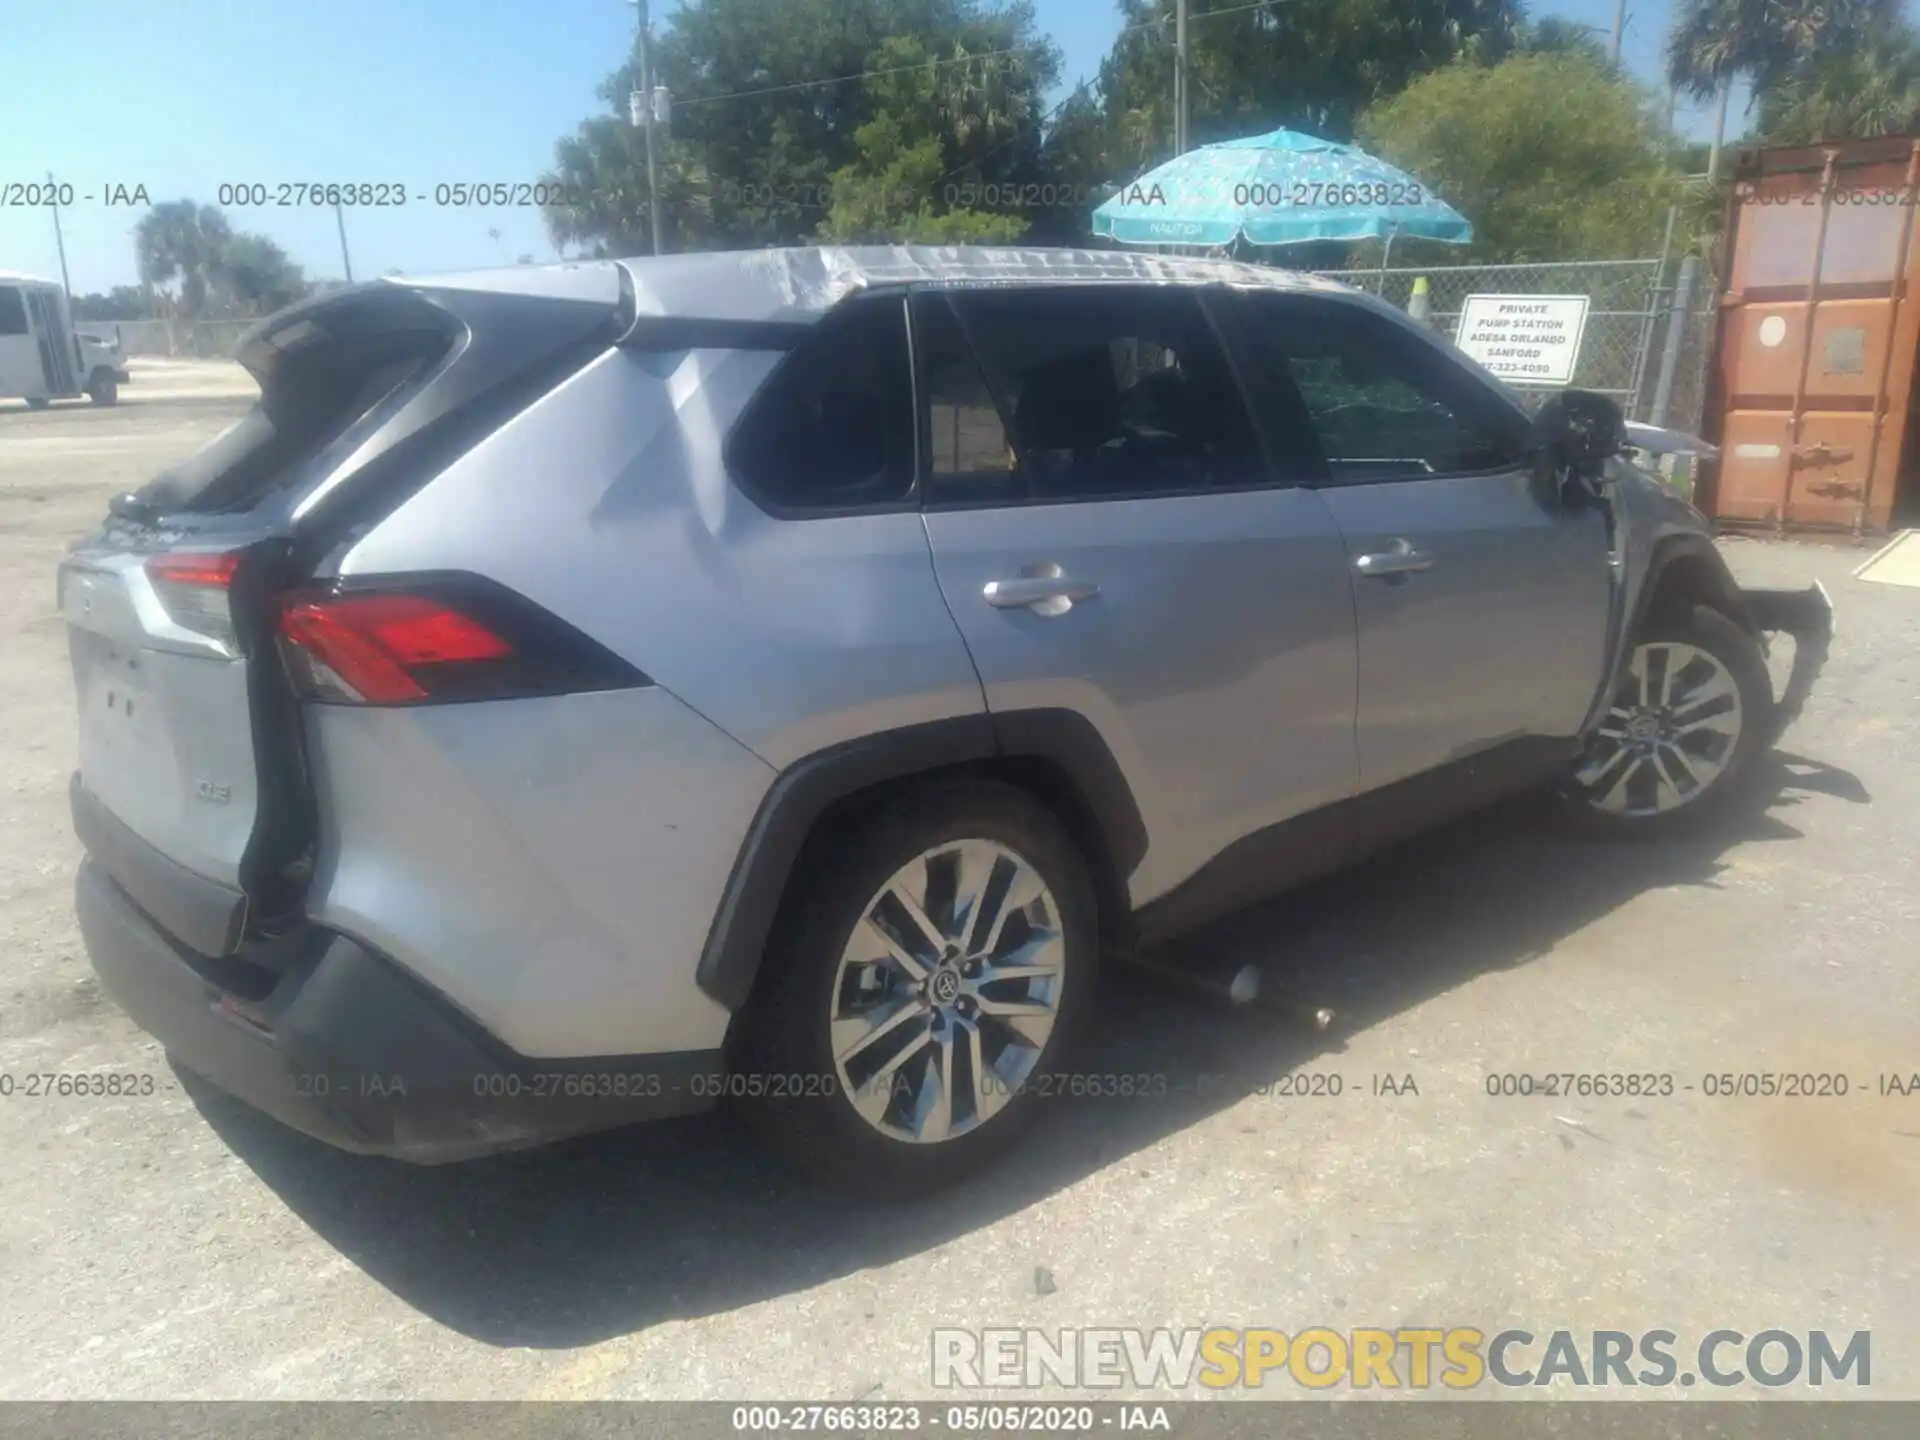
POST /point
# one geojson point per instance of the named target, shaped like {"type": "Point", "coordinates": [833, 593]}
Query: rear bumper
{"type": "Point", "coordinates": [336, 1041]}
{"type": "Point", "coordinates": [1807, 615]}
{"type": "Point", "coordinates": [206, 915]}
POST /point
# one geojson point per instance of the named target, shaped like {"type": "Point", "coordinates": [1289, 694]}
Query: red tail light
{"type": "Point", "coordinates": [193, 586]}
{"type": "Point", "coordinates": [445, 639]}
{"type": "Point", "coordinates": [379, 649]}
{"type": "Point", "coordinates": [191, 568]}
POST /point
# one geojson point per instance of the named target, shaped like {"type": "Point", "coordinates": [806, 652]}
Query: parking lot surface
{"type": "Point", "coordinates": [179, 1245]}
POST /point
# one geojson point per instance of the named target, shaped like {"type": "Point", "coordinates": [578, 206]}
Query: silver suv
{"type": "Point", "coordinates": [578, 695]}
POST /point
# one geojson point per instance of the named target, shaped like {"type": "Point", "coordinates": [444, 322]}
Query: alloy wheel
{"type": "Point", "coordinates": [947, 991]}
{"type": "Point", "coordinates": [1673, 727]}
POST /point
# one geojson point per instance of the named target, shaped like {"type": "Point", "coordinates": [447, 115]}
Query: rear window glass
{"type": "Point", "coordinates": [833, 429]}
{"type": "Point", "coordinates": [337, 374]}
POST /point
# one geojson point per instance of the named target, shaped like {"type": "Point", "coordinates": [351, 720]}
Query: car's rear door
{"type": "Point", "coordinates": [167, 777]}
{"type": "Point", "coordinates": [1483, 605]}
{"type": "Point", "coordinates": [1110, 539]}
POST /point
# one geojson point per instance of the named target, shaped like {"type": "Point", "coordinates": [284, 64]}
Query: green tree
{"type": "Point", "coordinates": [1552, 35]}
{"type": "Point", "coordinates": [196, 266]}
{"type": "Point", "coordinates": [1312, 65]}
{"type": "Point", "coordinates": [1873, 89]}
{"type": "Point", "coordinates": [254, 275]}
{"type": "Point", "coordinates": [602, 171]}
{"type": "Point", "coordinates": [1551, 156]}
{"type": "Point", "coordinates": [927, 156]}
{"type": "Point", "coordinates": [1764, 40]}
{"type": "Point", "coordinates": [771, 98]}
{"type": "Point", "coordinates": [179, 245]}
{"type": "Point", "coordinates": [1714, 42]}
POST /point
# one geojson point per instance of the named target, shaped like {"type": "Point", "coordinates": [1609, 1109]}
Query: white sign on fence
{"type": "Point", "coordinates": [1533, 339]}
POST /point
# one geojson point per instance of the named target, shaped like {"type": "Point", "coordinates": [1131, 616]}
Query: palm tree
{"type": "Point", "coordinates": [1874, 90]}
{"type": "Point", "coordinates": [602, 174]}
{"type": "Point", "coordinates": [1767, 41]}
{"type": "Point", "coordinates": [179, 241]}
{"type": "Point", "coordinates": [181, 244]}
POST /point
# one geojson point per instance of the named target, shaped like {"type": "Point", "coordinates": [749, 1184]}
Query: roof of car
{"type": "Point", "coordinates": [19, 277]}
{"type": "Point", "coordinates": [799, 283]}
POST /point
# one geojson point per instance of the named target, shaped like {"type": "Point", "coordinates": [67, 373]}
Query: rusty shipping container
{"type": "Point", "coordinates": [1812, 381]}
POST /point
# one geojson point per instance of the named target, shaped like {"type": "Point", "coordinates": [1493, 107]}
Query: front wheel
{"type": "Point", "coordinates": [1692, 713]}
{"type": "Point", "coordinates": [103, 390]}
{"type": "Point", "coordinates": [936, 968]}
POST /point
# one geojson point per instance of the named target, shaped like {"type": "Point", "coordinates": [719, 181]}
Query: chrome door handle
{"type": "Point", "coordinates": [1403, 559]}
{"type": "Point", "coordinates": [1043, 594]}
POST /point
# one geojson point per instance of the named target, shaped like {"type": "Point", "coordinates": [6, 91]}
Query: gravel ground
{"type": "Point", "coordinates": [178, 1245]}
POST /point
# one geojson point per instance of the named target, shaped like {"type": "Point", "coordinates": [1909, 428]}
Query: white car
{"type": "Point", "coordinates": [41, 358]}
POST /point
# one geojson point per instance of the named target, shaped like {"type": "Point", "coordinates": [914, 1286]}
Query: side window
{"type": "Point", "coordinates": [1078, 394]}
{"type": "Point", "coordinates": [1382, 404]}
{"type": "Point", "coordinates": [13, 311]}
{"type": "Point", "coordinates": [832, 429]}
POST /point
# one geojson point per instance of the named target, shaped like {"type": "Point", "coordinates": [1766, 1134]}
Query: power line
{"type": "Point", "coordinates": [862, 75]}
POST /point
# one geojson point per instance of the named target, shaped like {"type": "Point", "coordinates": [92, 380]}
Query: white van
{"type": "Point", "coordinates": [41, 358]}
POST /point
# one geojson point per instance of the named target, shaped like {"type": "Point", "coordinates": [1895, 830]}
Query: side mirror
{"type": "Point", "coordinates": [1575, 433]}
{"type": "Point", "coordinates": [1580, 429]}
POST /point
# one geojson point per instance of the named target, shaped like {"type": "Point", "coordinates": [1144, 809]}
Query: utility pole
{"type": "Point", "coordinates": [340, 222]}
{"type": "Point", "coordinates": [640, 112]}
{"type": "Point", "coordinates": [60, 243]}
{"type": "Point", "coordinates": [1719, 129]}
{"type": "Point", "coordinates": [1619, 27]}
{"type": "Point", "coordinates": [1180, 96]}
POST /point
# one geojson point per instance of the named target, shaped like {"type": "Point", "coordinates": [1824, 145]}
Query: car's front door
{"type": "Point", "coordinates": [1483, 606]}
{"type": "Point", "coordinates": [1109, 538]}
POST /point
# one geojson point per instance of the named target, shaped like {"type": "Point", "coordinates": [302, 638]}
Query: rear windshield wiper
{"type": "Point", "coordinates": [131, 505]}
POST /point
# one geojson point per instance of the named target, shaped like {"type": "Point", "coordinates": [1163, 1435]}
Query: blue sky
{"type": "Point", "coordinates": [184, 95]}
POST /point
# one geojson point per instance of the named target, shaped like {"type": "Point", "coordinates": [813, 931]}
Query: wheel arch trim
{"type": "Point", "coordinates": [1697, 554]}
{"type": "Point", "coordinates": [1063, 740]}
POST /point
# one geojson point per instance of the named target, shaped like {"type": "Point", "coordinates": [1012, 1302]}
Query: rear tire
{"type": "Point", "coordinates": [892, 1058]}
{"type": "Point", "coordinates": [1678, 746]}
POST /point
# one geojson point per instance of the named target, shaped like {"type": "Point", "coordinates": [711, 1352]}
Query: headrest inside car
{"type": "Point", "coordinates": [1072, 403]}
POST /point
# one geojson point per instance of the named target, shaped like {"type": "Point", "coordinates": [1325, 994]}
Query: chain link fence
{"type": "Point", "coordinates": [1693, 351]}
{"type": "Point", "coordinates": [1629, 314]}
{"type": "Point", "coordinates": [180, 340]}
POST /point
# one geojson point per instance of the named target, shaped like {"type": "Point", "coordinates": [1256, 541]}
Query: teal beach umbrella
{"type": "Point", "coordinates": [1281, 188]}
